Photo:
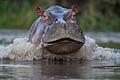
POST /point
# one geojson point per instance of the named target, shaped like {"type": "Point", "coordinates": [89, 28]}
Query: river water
{"type": "Point", "coordinates": [45, 70]}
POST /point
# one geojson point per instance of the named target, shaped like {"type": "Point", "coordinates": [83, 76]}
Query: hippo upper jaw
{"type": "Point", "coordinates": [64, 38]}
{"type": "Point", "coordinates": [58, 31]}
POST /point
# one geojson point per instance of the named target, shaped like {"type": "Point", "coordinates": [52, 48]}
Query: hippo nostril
{"type": "Point", "coordinates": [60, 20]}
{"type": "Point", "coordinates": [56, 19]}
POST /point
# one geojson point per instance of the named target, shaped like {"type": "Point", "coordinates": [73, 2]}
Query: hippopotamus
{"type": "Point", "coordinates": [57, 30]}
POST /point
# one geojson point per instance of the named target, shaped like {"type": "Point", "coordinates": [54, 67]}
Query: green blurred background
{"type": "Point", "coordinates": [95, 15]}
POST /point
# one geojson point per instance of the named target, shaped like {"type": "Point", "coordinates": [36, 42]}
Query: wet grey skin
{"type": "Point", "coordinates": [59, 34]}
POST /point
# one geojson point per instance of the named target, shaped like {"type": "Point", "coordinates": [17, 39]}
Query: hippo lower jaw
{"type": "Point", "coordinates": [64, 46]}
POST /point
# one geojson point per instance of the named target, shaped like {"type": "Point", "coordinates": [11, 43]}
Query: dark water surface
{"type": "Point", "coordinates": [40, 70]}
{"type": "Point", "coordinates": [43, 70]}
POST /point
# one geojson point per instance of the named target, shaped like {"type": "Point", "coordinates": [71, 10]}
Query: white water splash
{"type": "Point", "coordinates": [23, 50]}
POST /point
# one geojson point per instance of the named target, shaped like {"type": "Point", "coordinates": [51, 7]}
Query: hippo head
{"type": "Point", "coordinates": [57, 30]}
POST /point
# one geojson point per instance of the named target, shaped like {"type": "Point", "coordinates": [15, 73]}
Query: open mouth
{"type": "Point", "coordinates": [64, 46]}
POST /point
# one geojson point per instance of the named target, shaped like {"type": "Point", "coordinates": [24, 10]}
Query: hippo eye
{"type": "Point", "coordinates": [45, 17]}
{"type": "Point", "coordinates": [72, 18]}
{"type": "Point", "coordinates": [73, 15]}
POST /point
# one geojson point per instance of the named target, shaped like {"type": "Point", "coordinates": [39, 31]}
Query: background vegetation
{"type": "Point", "coordinates": [95, 15]}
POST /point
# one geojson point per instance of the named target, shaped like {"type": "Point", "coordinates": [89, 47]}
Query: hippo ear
{"type": "Point", "coordinates": [75, 9]}
{"type": "Point", "coordinates": [39, 11]}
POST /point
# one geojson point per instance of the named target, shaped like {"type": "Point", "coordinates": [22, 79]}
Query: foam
{"type": "Point", "coordinates": [23, 50]}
